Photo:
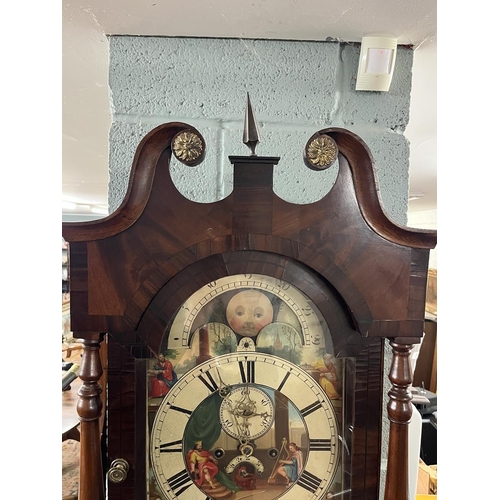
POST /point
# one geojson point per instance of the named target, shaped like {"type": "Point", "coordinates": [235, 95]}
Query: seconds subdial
{"type": "Point", "coordinates": [247, 412]}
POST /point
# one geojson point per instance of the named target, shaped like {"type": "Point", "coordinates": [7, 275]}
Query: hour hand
{"type": "Point", "coordinates": [224, 389]}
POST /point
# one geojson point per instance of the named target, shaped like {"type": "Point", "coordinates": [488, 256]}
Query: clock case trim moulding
{"type": "Point", "coordinates": [377, 267]}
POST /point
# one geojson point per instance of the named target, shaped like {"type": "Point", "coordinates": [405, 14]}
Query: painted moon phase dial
{"type": "Point", "coordinates": [247, 304]}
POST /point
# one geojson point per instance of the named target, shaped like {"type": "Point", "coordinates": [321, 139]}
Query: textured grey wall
{"type": "Point", "coordinates": [296, 89]}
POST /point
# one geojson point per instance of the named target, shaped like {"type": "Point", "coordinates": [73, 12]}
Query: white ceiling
{"type": "Point", "coordinates": [86, 24]}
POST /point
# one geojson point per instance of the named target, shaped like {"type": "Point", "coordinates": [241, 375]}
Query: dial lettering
{"type": "Point", "coordinates": [320, 445]}
{"type": "Point", "coordinates": [177, 482]}
{"type": "Point", "coordinates": [266, 421]}
{"type": "Point", "coordinates": [311, 408]}
{"type": "Point", "coordinates": [285, 378]}
{"type": "Point", "coordinates": [284, 285]}
{"type": "Point", "coordinates": [247, 371]}
{"type": "Point", "coordinates": [211, 384]}
{"type": "Point", "coordinates": [307, 310]}
{"type": "Point", "coordinates": [316, 340]}
{"type": "Point", "coordinates": [309, 481]}
{"type": "Point", "coordinates": [166, 447]}
{"type": "Point", "coordinates": [179, 409]}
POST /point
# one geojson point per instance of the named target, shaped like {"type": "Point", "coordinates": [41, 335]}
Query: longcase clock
{"type": "Point", "coordinates": [244, 338]}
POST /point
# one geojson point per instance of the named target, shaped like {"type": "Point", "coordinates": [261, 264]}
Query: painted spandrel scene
{"type": "Point", "coordinates": [248, 313]}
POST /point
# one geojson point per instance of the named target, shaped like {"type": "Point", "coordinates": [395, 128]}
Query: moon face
{"type": "Point", "coordinates": [248, 312]}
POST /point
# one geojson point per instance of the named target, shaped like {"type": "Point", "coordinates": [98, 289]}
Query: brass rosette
{"type": "Point", "coordinates": [189, 147]}
{"type": "Point", "coordinates": [320, 152]}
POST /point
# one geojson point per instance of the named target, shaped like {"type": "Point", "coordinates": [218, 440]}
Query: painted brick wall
{"type": "Point", "coordinates": [296, 89]}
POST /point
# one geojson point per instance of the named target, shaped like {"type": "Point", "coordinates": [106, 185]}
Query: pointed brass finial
{"type": "Point", "coordinates": [251, 135]}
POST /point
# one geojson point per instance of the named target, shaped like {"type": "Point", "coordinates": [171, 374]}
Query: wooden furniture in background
{"type": "Point", "coordinates": [427, 479]}
{"type": "Point", "coordinates": [70, 348]}
{"type": "Point", "coordinates": [431, 293]}
{"type": "Point", "coordinates": [131, 271]}
{"type": "Point", "coordinates": [70, 420]}
{"type": "Point", "coordinates": [426, 367]}
{"type": "Point", "coordinates": [70, 417]}
{"type": "Point", "coordinates": [425, 374]}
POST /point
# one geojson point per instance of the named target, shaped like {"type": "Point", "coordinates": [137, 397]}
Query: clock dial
{"type": "Point", "coordinates": [248, 303]}
{"type": "Point", "coordinates": [256, 400]}
{"type": "Point", "coordinates": [246, 412]}
{"type": "Point", "coordinates": [195, 417]}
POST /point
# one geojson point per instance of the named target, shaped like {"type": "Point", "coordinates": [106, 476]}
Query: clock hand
{"type": "Point", "coordinates": [224, 389]}
{"type": "Point", "coordinates": [246, 406]}
{"type": "Point", "coordinates": [242, 428]}
{"type": "Point", "coordinates": [248, 413]}
{"type": "Point", "coordinates": [225, 392]}
{"type": "Point", "coordinates": [265, 415]}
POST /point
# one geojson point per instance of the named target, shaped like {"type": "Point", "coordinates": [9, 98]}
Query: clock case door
{"type": "Point", "coordinates": [362, 375]}
{"type": "Point", "coordinates": [130, 271]}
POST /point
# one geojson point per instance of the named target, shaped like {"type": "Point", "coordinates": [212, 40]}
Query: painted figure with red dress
{"type": "Point", "coordinates": [202, 465]}
{"type": "Point", "coordinates": [163, 377]}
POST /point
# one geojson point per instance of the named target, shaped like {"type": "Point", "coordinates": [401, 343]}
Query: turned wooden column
{"type": "Point", "coordinates": [89, 408]}
{"type": "Point", "coordinates": [399, 410]}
